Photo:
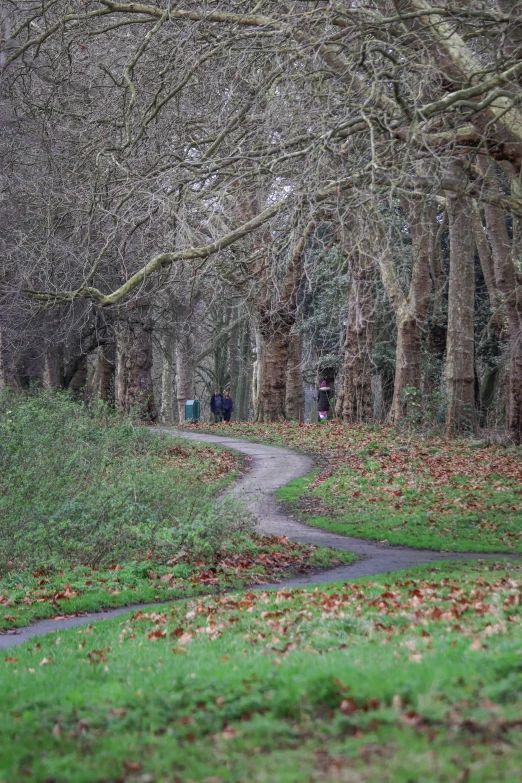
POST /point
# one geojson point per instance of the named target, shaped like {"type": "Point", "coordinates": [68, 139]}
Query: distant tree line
{"type": "Point", "coordinates": [257, 195]}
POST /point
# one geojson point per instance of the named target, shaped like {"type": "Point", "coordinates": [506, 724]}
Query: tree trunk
{"type": "Point", "coordinates": [102, 382]}
{"type": "Point", "coordinates": [167, 377]}
{"type": "Point", "coordinates": [276, 321]}
{"type": "Point", "coordinates": [488, 271]}
{"type": "Point", "coordinates": [294, 401]}
{"type": "Point", "coordinates": [489, 382]}
{"type": "Point", "coordinates": [120, 380]}
{"type": "Point", "coordinates": [135, 391]}
{"type": "Point", "coordinates": [241, 403]}
{"type": "Point", "coordinates": [407, 364]}
{"type": "Point", "coordinates": [355, 398]}
{"type": "Point", "coordinates": [272, 394]}
{"type": "Point", "coordinates": [460, 364]}
{"type": "Point", "coordinates": [514, 313]}
{"type": "Point", "coordinates": [505, 255]}
{"type": "Point", "coordinates": [184, 372]}
{"type": "Point", "coordinates": [257, 372]}
{"type": "Point", "coordinates": [50, 370]}
{"type": "Point", "coordinates": [439, 321]}
{"type": "Point", "coordinates": [515, 391]}
{"type": "Point", "coordinates": [411, 310]}
{"type": "Point", "coordinates": [78, 382]}
{"type": "Point", "coordinates": [2, 365]}
{"type": "Point", "coordinates": [234, 361]}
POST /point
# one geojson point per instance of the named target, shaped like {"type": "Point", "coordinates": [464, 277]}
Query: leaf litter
{"type": "Point", "coordinates": [259, 560]}
{"type": "Point", "coordinates": [411, 489]}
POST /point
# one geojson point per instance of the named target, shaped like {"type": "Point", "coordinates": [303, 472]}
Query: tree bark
{"type": "Point", "coordinates": [505, 255]}
{"type": "Point", "coordinates": [167, 378]}
{"type": "Point", "coordinates": [294, 401]}
{"type": "Point", "coordinates": [242, 400]}
{"type": "Point", "coordinates": [78, 382]}
{"type": "Point", "coordinates": [355, 399]}
{"type": "Point", "coordinates": [460, 361]}
{"type": "Point", "coordinates": [439, 320]}
{"type": "Point", "coordinates": [407, 363]}
{"type": "Point", "coordinates": [2, 364]}
{"type": "Point", "coordinates": [234, 362]}
{"type": "Point", "coordinates": [135, 391]}
{"type": "Point", "coordinates": [257, 371]}
{"type": "Point", "coordinates": [411, 310]}
{"type": "Point", "coordinates": [102, 382]}
{"type": "Point", "coordinates": [184, 372]}
{"type": "Point", "coordinates": [272, 394]}
{"type": "Point", "coordinates": [50, 370]}
{"type": "Point", "coordinates": [276, 321]}
{"type": "Point", "coordinates": [514, 313]}
{"type": "Point", "coordinates": [488, 271]}
{"type": "Point", "coordinates": [120, 367]}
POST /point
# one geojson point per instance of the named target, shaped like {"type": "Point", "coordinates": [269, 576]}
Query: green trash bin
{"type": "Point", "coordinates": [192, 410]}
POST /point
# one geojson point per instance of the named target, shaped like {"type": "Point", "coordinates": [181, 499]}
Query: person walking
{"type": "Point", "coordinates": [216, 406]}
{"type": "Point", "coordinates": [228, 406]}
{"type": "Point", "coordinates": [323, 401]}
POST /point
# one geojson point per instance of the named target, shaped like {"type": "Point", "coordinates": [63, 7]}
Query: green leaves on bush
{"type": "Point", "coordinates": [84, 485]}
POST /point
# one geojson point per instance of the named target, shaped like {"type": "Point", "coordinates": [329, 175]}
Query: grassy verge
{"type": "Point", "coordinates": [425, 492]}
{"type": "Point", "coordinates": [96, 513]}
{"type": "Point", "coordinates": [414, 676]}
{"type": "Point", "coordinates": [249, 559]}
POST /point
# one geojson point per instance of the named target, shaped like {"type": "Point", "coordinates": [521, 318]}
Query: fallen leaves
{"type": "Point", "coordinates": [157, 634]}
{"type": "Point", "coordinates": [132, 766]}
{"type": "Point", "coordinates": [211, 462]}
{"type": "Point", "coordinates": [411, 614]}
{"type": "Point", "coordinates": [229, 733]}
{"type": "Point", "coordinates": [256, 560]}
{"type": "Point", "coordinates": [98, 656]}
{"type": "Point", "coordinates": [348, 706]}
{"type": "Point", "coordinates": [454, 489]}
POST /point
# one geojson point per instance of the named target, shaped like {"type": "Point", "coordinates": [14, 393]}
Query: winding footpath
{"type": "Point", "coordinates": [272, 467]}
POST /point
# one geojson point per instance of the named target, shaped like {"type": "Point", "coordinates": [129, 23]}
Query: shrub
{"type": "Point", "coordinates": [84, 485]}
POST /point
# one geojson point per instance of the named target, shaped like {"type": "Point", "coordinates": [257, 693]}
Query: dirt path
{"type": "Point", "coordinates": [271, 468]}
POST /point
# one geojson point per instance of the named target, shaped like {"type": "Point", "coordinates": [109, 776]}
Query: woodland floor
{"type": "Point", "coordinates": [399, 488]}
{"type": "Point", "coordinates": [27, 596]}
{"type": "Point", "coordinates": [50, 504]}
{"type": "Point", "coordinates": [410, 677]}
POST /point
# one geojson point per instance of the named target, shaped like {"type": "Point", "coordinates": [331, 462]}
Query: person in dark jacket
{"type": "Point", "coordinates": [228, 406]}
{"type": "Point", "coordinates": [323, 401]}
{"type": "Point", "coordinates": [216, 406]}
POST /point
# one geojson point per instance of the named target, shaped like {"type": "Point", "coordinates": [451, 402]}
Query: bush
{"type": "Point", "coordinates": [84, 485]}
{"type": "Point", "coordinates": [424, 412]}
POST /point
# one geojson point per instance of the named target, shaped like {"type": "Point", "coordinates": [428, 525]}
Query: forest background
{"type": "Point", "coordinates": [259, 195]}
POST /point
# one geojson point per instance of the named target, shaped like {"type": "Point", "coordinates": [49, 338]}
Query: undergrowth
{"type": "Point", "coordinates": [97, 512]}
{"type": "Point", "coordinates": [84, 485]}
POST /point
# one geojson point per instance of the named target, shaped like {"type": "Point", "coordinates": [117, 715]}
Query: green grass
{"type": "Point", "coordinates": [81, 484]}
{"type": "Point", "coordinates": [425, 492]}
{"type": "Point", "coordinates": [248, 559]}
{"type": "Point", "coordinates": [412, 678]}
{"type": "Point", "coordinates": [97, 512]}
